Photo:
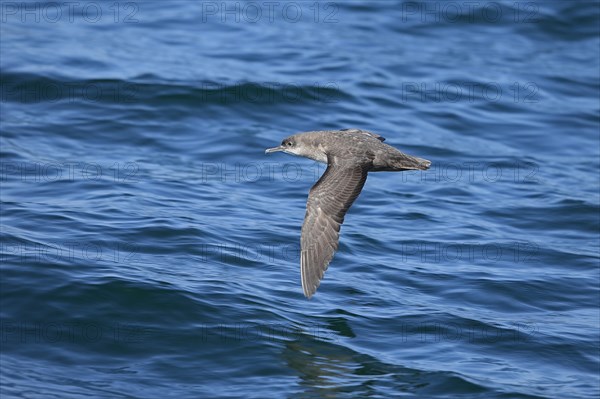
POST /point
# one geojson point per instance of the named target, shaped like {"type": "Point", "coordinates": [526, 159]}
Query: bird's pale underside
{"type": "Point", "coordinates": [350, 154]}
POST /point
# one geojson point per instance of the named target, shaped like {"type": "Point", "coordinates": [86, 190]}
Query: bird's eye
{"type": "Point", "coordinates": [289, 143]}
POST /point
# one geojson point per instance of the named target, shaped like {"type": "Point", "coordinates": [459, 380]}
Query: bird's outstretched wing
{"type": "Point", "coordinates": [328, 201]}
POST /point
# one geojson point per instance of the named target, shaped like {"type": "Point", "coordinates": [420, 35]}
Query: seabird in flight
{"type": "Point", "coordinates": [349, 154]}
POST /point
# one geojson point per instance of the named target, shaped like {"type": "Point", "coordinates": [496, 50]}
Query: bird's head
{"type": "Point", "coordinates": [288, 145]}
{"type": "Point", "coordinates": [303, 145]}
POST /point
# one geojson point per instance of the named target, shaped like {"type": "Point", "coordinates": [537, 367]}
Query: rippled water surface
{"type": "Point", "coordinates": [150, 248]}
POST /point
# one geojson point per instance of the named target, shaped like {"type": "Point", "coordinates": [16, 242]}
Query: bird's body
{"type": "Point", "coordinates": [350, 154]}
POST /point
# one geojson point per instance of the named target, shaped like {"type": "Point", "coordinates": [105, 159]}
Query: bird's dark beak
{"type": "Point", "coordinates": [274, 149]}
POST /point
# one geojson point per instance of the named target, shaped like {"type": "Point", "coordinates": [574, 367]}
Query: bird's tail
{"type": "Point", "coordinates": [409, 162]}
{"type": "Point", "coordinates": [400, 161]}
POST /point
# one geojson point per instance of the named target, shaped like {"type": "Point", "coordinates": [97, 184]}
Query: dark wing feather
{"type": "Point", "coordinates": [328, 201]}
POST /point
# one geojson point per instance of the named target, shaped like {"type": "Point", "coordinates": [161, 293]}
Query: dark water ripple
{"type": "Point", "coordinates": [149, 248]}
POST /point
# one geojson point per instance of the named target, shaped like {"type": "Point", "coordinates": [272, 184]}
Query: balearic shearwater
{"type": "Point", "coordinates": [349, 154]}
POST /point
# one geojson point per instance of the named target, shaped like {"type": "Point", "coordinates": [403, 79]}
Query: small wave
{"type": "Point", "coordinates": [30, 88]}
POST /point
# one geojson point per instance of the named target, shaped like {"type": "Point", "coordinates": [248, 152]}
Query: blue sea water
{"type": "Point", "coordinates": [149, 247]}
